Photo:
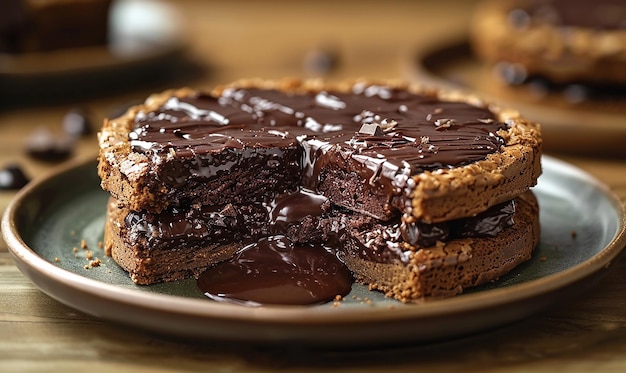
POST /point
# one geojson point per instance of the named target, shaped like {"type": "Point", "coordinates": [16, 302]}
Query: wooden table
{"type": "Point", "coordinates": [271, 39]}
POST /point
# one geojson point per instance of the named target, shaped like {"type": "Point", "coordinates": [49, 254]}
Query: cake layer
{"type": "Point", "coordinates": [380, 149]}
{"type": "Point", "coordinates": [174, 246]}
{"type": "Point", "coordinates": [408, 261]}
{"type": "Point", "coordinates": [446, 268]}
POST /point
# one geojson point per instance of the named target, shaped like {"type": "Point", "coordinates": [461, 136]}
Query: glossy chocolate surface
{"type": "Point", "coordinates": [256, 129]}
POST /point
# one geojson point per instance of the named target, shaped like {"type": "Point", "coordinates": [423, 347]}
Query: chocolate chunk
{"type": "Point", "coordinates": [12, 177]}
{"type": "Point", "coordinates": [77, 123]}
{"type": "Point", "coordinates": [371, 129]}
{"type": "Point", "coordinates": [43, 145]}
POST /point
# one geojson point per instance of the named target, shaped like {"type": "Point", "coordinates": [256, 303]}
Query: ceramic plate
{"type": "Point", "coordinates": [591, 127]}
{"type": "Point", "coordinates": [50, 217]}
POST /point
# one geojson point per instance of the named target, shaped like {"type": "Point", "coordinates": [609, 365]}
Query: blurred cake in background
{"type": "Point", "coordinates": [559, 41]}
{"type": "Point", "coordinates": [44, 25]}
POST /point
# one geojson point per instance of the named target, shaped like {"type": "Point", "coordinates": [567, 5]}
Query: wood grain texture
{"type": "Point", "coordinates": [271, 39]}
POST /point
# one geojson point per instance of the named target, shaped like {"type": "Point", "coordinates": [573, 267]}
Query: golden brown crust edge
{"type": "Point", "coordinates": [122, 171]}
{"type": "Point", "coordinates": [146, 266]}
{"type": "Point", "coordinates": [446, 269]}
{"type": "Point", "coordinates": [437, 196]}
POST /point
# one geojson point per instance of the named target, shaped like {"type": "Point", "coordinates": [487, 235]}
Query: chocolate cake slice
{"type": "Point", "coordinates": [441, 156]}
{"type": "Point", "coordinates": [402, 172]}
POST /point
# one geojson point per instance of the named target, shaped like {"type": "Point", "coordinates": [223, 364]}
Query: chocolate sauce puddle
{"type": "Point", "coordinates": [296, 263]}
{"type": "Point", "coordinates": [276, 271]}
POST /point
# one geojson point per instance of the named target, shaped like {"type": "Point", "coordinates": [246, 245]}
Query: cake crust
{"type": "Point", "coordinates": [438, 195]}
{"type": "Point", "coordinates": [148, 265]}
{"type": "Point", "coordinates": [447, 268]}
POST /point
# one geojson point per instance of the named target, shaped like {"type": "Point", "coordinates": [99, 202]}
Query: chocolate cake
{"type": "Point", "coordinates": [419, 192]}
{"type": "Point", "coordinates": [28, 26]}
{"type": "Point", "coordinates": [563, 41]}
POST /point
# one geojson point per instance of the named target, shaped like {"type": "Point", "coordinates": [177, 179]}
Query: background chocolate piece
{"type": "Point", "coordinates": [12, 177]}
{"type": "Point", "coordinates": [43, 145]}
{"type": "Point", "coordinates": [77, 123]}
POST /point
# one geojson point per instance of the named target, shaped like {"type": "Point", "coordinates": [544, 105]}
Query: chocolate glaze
{"type": "Point", "coordinates": [424, 133]}
{"type": "Point", "coordinates": [275, 271]}
{"type": "Point", "coordinates": [254, 128]}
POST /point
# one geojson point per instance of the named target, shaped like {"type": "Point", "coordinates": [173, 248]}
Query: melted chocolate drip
{"type": "Point", "coordinates": [275, 271]}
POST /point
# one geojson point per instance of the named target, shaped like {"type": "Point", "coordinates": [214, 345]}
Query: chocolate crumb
{"type": "Point", "coordinates": [574, 234]}
{"type": "Point", "coordinates": [387, 126]}
{"type": "Point", "coordinates": [86, 266]}
{"type": "Point", "coordinates": [95, 263]}
{"type": "Point", "coordinates": [83, 244]}
{"type": "Point", "coordinates": [444, 123]}
{"type": "Point", "coordinates": [337, 301]}
{"type": "Point", "coordinates": [107, 249]}
{"type": "Point", "coordinates": [229, 210]}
